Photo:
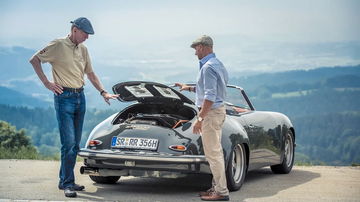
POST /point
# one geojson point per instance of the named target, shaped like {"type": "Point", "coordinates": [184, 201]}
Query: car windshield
{"type": "Point", "coordinates": [234, 98]}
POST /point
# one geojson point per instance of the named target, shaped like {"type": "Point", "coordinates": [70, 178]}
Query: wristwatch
{"type": "Point", "coordinates": [103, 91]}
{"type": "Point", "coordinates": [199, 118]}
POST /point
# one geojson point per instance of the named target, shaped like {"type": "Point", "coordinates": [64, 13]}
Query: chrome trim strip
{"type": "Point", "coordinates": [145, 157]}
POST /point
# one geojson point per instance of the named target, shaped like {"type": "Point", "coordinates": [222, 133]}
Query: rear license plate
{"type": "Point", "coordinates": [134, 143]}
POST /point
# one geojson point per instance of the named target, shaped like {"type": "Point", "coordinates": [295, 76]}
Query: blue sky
{"type": "Point", "coordinates": [154, 36]}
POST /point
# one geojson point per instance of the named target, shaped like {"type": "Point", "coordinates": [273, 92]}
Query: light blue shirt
{"type": "Point", "coordinates": [211, 82]}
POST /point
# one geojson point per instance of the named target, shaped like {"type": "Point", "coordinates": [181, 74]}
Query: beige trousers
{"type": "Point", "coordinates": [211, 140]}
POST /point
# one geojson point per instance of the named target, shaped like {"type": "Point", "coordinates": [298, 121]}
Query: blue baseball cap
{"type": "Point", "coordinates": [83, 24]}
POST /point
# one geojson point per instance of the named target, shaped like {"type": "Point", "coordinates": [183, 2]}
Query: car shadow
{"type": "Point", "coordinates": [259, 183]}
{"type": "Point", "coordinates": [149, 189]}
{"type": "Point", "coordinates": [263, 183]}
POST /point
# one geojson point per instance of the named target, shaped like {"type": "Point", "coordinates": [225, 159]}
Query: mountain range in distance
{"type": "Point", "coordinates": [20, 86]}
{"type": "Point", "coordinates": [16, 98]}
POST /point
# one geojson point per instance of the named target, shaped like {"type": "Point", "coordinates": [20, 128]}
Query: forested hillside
{"type": "Point", "coordinates": [323, 104]}
{"type": "Point", "coordinates": [41, 126]}
{"type": "Point", "coordinates": [326, 121]}
{"type": "Point", "coordinates": [300, 79]}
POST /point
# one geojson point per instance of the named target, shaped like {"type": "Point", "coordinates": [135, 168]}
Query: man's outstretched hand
{"type": "Point", "coordinates": [108, 96]}
{"type": "Point", "coordinates": [182, 86]}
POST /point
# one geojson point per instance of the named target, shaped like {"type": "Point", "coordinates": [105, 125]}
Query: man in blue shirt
{"type": "Point", "coordinates": [210, 94]}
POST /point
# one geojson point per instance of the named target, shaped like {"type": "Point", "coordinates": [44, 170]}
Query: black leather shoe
{"type": "Point", "coordinates": [69, 192]}
{"type": "Point", "coordinates": [76, 187]}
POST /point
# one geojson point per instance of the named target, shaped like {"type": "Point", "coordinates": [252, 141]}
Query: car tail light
{"type": "Point", "coordinates": [181, 148]}
{"type": "Point", "coordinates": [93, 143]}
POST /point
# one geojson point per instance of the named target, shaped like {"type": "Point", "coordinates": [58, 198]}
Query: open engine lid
{"type": "Point", "coordinates": [148, 92]}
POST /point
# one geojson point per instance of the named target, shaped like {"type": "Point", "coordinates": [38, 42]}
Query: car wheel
{"type": "Point", "coordinates": [288, 160]}
{"type": "Point", "coordinates": [236, 168]}
{"type": "Point", "coordinates": [104, 180]}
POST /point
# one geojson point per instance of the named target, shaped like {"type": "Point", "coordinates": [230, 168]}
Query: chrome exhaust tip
{"type": "Point", "coordinates": [88, 171]}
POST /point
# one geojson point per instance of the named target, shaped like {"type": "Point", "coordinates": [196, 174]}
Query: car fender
{"type": "Point", "coordinates": [233, 133]}
{"type": "Point", "coordinates": [102, 129]}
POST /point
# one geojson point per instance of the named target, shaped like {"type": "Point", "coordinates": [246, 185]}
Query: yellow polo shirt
{"type": "Point", "coordinates": [69, 62]}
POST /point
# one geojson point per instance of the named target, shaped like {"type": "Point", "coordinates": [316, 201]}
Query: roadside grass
{"type": "Point", "coordinates": [18, 153]}
{"type": "Point", "coordinates": [29, 153]}
{"type": "Point", "coordinates": [306, 163]}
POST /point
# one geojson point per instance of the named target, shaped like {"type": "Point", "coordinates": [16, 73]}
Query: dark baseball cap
{"type": "Point", "coordinates": [83, 24]}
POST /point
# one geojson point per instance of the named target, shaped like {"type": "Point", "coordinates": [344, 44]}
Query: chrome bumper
{"type": "Point", "coordinates": [151, 161]}
{"type": "Point", "coordinates": [141, 156]}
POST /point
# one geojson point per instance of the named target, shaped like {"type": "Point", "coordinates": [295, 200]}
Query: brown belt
{"type": "Point", "coordinates": [73, 90]}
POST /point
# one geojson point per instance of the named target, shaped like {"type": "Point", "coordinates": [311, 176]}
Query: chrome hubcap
{"type": "Point", "coordinates": [238, 163]}
{"type": "Point", "coordinates": [289, 148]}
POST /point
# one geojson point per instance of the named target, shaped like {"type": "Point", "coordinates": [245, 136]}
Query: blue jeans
{"type": "Point", "coordinates": [70, 110]}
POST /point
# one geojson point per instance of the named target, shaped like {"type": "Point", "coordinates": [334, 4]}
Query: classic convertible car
{"type": "Point", "coordinates": [152, 137]}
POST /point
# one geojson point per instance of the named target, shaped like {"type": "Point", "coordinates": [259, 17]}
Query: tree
{"type": "Point", "coordinates": [14, 143]}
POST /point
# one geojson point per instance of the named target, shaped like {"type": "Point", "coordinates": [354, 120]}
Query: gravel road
{"type": "Point", "coordinates": [37, 180]}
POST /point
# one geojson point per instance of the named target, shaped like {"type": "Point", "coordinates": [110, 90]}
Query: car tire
{"type": "Point", "coordinates": [104, 180]}
{"type": "Point", "coordinates": [289, 154]}
{"type": "Point", "coordinates": [236, 168]}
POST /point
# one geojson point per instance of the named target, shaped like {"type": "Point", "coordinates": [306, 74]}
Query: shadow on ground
{"type": "Point", "coordinates": [258, 184]}
{"type": "Point", "coordinates": [263, 183]}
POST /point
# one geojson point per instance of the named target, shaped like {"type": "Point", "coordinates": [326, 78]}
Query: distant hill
{"type": "Point", "coordinates": [14, 62]}
{"type": "Point", "coordinates": [323, 104]}
{"type": "Point", "coordinates": [17, 73]}
{"type": "Point", "coordinates": [311, 76]}
{"type": "Point", "coordinates": [15, 98]}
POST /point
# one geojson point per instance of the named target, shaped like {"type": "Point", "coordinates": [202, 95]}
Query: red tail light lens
{"type": "Point", "coordinates": [93, 143]}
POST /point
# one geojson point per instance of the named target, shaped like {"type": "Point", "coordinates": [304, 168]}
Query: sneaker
{"type": "Point", "coordinates": [69, 192]}
{"type": "Point", "coordinates": [76, 187]}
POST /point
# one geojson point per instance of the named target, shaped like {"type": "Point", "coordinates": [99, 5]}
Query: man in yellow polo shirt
{"type": "Point", "coordinates": [70, 61]}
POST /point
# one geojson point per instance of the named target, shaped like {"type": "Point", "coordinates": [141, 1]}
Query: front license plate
{"type": "Point", "coordinates": [134, 143]}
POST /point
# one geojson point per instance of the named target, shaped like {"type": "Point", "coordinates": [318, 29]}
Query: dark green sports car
{"type": "Point", "coordinates": [152, 137]}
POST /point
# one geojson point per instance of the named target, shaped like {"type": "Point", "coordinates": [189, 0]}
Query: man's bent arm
{"type": "Point", "coordinates": [36, 63]}
{"type": "Point", "coordinates": [205, 108]}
